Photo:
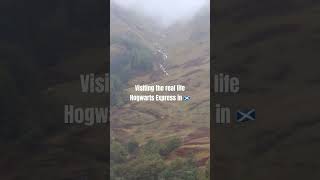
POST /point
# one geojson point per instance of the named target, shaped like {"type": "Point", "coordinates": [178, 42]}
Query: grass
{"type": "Point", "coordinates": [162, 120]}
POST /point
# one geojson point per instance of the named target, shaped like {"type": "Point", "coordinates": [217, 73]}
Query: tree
{"type": "Point", "coordinates": [144, 167]}
{"type": "Point", "coordinates": [180, 170]}
{"type": "Point", "coordinates": [152, 147]}
{"type": "Point", "coordinates": [170, 146]}
{"type": "Point", "coordinates": [133, 146]}
{"type": "Point", "coordinates": [118, 153]}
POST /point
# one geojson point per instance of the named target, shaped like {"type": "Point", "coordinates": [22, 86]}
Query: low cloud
{"type": "Point", "coordinates": [166, 11]}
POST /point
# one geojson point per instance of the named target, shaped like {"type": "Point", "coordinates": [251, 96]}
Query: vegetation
{"type": "Point", "coordinates": [148, 162]}
{"type": "Point", "coordinates": [170, 146]}
{"type": "Point", "coordinates": [180, 170]}
{"type": "Point", "coordinates": [131, 57]}
{"type": "Point", "coordinates": [133, 146]}
{"type": "Point", "coordinates": [118, 153]}
{"type": "Point", "coordinates": [151, 147]}
{"type": "Point", "coordinates": [142, 168]}
{"type": "Point", "coordinates": [38, 41]}
{"type": "Point", "coordinates": [136, 59]}
{"type": "Point", "coordinates": [116, 88]}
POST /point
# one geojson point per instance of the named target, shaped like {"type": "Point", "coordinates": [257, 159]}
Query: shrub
{"type": "Point", "coordinates": [118, 153]}
{"type": "Point", "coordinates": [144, 167]}
{"type": "Point", "coordinates": [180, 170]}
{"type": "Point", "coordinates": [133, 146]}
{"type": "Point", "coordinates": [151, 147]}
{"type": "Point", "coordinates": [170, 146]}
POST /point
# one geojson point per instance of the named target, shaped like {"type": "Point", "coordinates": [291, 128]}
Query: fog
{"type": "Point", "coordinates": [165, 11]}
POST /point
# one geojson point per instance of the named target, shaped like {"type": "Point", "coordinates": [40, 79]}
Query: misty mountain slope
{"type": "Point", "coordinates": [125, 22]}
{"type": "Point", "coordinates": [187, 64]}
{"type": "Point", "coordinates": [46, 46]}
{"type": "Point", "coordinates": [274, 52]}
{"type": "Point", "coordinates": [196, 29]}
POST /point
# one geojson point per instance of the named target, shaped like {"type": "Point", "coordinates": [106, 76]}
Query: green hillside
{"type": "Point", "coordinates": [171, 139]}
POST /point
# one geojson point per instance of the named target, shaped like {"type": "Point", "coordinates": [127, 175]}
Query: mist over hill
{"type": "Point", "coordinates": [164, 12]}
{"type": "Point", "coordinates": [174, 137]}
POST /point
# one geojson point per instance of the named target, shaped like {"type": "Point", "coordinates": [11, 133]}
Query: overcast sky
{"type": "Point", "coordinates": [167, 11]}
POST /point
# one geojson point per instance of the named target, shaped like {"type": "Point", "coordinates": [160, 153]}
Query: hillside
{"type": "Point", "coordinates": [271, 46]}
{"type": "Point", "coordinates": [45, 46]}
{"type": "Point", "coordinates": [177, 58]}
